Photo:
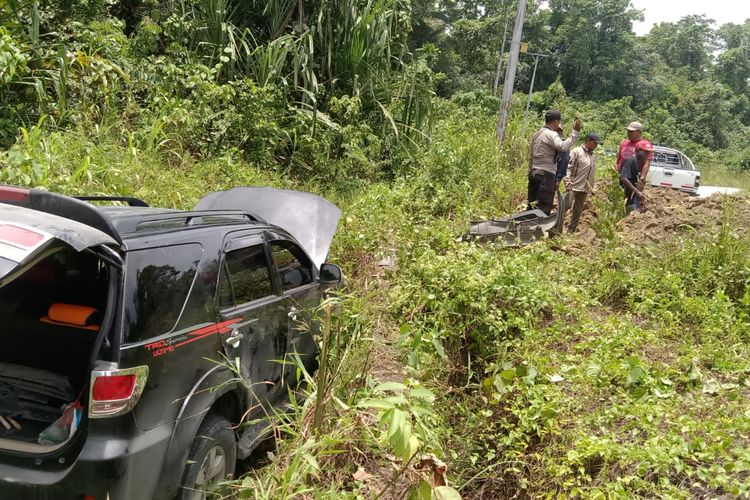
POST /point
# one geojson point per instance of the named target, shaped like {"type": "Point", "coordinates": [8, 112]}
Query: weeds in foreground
{"type": "Point", "coordinates": [611, 208]}
{"type": "Point", "coordinates": [592, 375]}
{"type": "Point", "coordinates": [346, 435]}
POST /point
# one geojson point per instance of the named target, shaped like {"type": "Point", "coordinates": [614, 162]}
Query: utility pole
{"type": "Point", "coordinates": [510, 72]}
{"type": "Point", "coordinates": [537, 56]}
{"type": "Point", "coordinates": [499, 68]}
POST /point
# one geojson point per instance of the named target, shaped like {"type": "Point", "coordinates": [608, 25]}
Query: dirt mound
{"type": "Point", "coordinates": [667, 213]}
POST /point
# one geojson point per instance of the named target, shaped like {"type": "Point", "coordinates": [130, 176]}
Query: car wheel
{"type": "Point", "coordinates": [212, 459]}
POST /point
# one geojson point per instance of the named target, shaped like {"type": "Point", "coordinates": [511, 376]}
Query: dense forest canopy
{"type": "Point", "coordinates": [691, 73]}
{"type": "Point", "coordinates": [295, 83]}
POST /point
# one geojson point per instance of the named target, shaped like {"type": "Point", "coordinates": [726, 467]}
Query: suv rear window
{"type": "Point", "coordinates": [157, 284]}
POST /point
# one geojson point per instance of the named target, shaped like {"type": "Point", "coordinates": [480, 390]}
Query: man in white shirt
{"type": "Point", "coordinates": [581, 177]}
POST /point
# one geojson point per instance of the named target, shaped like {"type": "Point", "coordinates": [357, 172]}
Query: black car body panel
{"type": "Point", "coordinates": [61, 206]}
{"type": "Point", "coordinates": [193, 296]}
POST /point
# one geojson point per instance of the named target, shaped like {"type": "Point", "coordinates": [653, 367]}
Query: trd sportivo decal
{"type": "Point", "coordinates": [168, 345]}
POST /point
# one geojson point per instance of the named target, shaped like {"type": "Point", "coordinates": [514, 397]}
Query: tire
{"type": "Point", "coordinates": [212, 458]}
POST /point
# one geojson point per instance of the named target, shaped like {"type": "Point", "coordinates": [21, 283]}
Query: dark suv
{"type": "Point", "coordinates": [144, 349]}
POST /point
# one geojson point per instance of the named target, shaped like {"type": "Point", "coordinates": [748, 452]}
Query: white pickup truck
{"type": "Point", "coordinates": [671, 168]}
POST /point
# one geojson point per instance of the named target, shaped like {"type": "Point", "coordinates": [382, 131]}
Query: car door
{"type": "Point", "coordinates": [301, 292]}
{"type": "Point", "coordinates": [256, 333]}
{"type": "Point", "coordinates": [27, 236]}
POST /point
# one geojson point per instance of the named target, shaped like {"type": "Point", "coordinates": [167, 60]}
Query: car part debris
{"type": "Point", "coordinates": [521, 228]}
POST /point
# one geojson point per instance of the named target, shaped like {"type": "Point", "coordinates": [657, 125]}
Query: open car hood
{"type": "Point", "coordinates": [25, 234]}
{"type": "Point", "coordinates": [311, 219]}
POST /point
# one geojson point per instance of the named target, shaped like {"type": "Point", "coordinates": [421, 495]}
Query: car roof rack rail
{"type": "Point", "coordinates": [179, 219]}
{"type": "Point", "coordinates": [133, 202]}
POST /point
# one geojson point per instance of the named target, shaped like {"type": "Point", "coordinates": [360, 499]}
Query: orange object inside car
{"type": "Point", "coordinates": [72, 315]}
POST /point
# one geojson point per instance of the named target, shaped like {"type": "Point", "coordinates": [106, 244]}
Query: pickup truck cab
{"type": "Point", "coordinates": [673, 169]}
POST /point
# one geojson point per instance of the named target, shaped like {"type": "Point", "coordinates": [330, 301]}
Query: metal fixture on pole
{"type": "Point", "coordinates": [537, 56]}
{"type": "Point", "coordinates": [510, 72]}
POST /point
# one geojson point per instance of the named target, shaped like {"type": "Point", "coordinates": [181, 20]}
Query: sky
{"type": "Point", "coordinates": [722, 11]}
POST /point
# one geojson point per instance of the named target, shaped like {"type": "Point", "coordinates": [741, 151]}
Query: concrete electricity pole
{"type": "Point", "coordinates": [510, 72]}
{"type": "Point", "coordinates": [502, 47]}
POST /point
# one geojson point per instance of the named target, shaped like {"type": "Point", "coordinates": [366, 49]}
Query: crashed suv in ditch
{"type": "Point", "coordinates": [143, 348]}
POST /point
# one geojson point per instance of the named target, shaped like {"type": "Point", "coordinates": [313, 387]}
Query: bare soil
{"type": "Point", "coordinates": [384, 359]}
{"type": "Point", "coordinates": [667, 213]}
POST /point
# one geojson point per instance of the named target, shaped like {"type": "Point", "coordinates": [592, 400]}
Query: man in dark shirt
{"type": "Point", "coordinates": [562, 162]}
{"type": "Point", "coordinates": [630, 176]}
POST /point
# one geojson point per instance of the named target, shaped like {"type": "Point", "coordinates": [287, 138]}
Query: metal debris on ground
{"type": "Point", "coordinates": [521, 228]}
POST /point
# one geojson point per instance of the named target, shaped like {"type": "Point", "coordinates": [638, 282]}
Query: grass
{"type": "Point", "coordinates": [590, 375]}
{"type": "Point", "coordinates": [714, 175]}
{"type": "Point", "coordinates": [618, 371]}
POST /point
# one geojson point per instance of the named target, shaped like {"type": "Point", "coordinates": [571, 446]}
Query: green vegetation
{"type": "Point", "coordinates": [714, 175]}
{"type": "Point", "coordinates": [598, 368]}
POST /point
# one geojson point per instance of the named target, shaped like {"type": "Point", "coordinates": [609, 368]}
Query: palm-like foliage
{"type": "Point", "coordinates": [311, 49]}
{"type": "Point", "coordinates": [319, 48]}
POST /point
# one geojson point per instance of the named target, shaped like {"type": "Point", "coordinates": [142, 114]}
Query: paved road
{"type": "Point", "coordinates": [706, 191]}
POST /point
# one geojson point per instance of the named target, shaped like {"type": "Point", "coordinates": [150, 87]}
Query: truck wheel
{"type": "Point", "coordinates": [212, 459]}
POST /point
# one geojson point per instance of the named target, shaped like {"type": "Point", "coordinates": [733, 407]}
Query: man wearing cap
{"type": "Point", "coordinates": [581, 177]}
{"type": "Point", "coordinates": [545, 146]}
{"type": "Point", "coordinates": [627, 149]}
{"type": "Point", "coordinates": [631, 175]}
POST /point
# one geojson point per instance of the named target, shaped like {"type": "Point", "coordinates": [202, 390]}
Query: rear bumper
{"type": "Point", "coordinates": [107, 467]}
{"type": "Point", "coordinates": [687, 188]}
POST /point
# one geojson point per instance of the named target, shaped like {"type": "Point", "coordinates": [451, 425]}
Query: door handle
{"type": "Point", "coordinates": [293, 313]}
{"type": "Point", "coordinates": [667, 172]}
{"type": "Point", "coordinates": [234, 340]}
{"type": "Point", "coordinates": [234, 335]}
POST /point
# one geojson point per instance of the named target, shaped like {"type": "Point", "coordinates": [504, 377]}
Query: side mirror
{"type": "Point", "coordinates": [330, 275]}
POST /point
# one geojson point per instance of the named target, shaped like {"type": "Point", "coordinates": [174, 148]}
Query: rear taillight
{"type": "Point", "coordinates": [116, 392]}
{"type": "Point", "coordinates": [13, 194]}
{"type": "Point", "coordinates": [113, 387]}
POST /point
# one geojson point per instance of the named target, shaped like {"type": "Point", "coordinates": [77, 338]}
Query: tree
{"type": "Point", "coordinates": [685, 45]}
{"type": "Point", "coordinates": [733, 65]}
{"type": "Point", "coordinates": [733, 69]}
{"type": "Point", "coordinates": [594, 42]}
{"type": "Point", "coordinates": [706, 111]}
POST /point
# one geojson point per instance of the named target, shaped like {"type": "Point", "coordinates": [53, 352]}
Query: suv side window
{"type": "Point", "coordinates": [249, 274]}
{"type": "Point", "coordinates": [158, 281]}
{"type": "Point", "coordinates": [293, 265]}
